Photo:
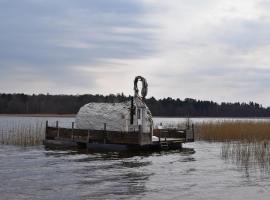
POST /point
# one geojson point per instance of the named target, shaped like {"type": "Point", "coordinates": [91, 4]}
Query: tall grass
{"type": "Point", "coordinates": [233, 131]}
{"type": "Point", "coordinates": [248, 154]}
{"type": "Point", "coordinates": [22, 134]}
{"type": "Point", "coordinates": [245, 143]}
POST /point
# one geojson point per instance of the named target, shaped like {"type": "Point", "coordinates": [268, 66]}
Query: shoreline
{"type": "Point", "coordinates": [74, 115]}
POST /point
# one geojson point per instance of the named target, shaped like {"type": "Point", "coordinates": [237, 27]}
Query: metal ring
{"type": "Point", "coordinates": [144, 86]}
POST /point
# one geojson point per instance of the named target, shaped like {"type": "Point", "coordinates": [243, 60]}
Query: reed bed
{"type": "Point", "coordinates": [245, 143]}
{"type": "Point", "coordinates": [233, 131]}
{"type": "Point", "coordinates": [248, 154]}
{"type": "Point", "coordinates": [22, 134]}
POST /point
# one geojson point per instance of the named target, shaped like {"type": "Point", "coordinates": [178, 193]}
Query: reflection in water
{"type": "Point", "coordinates": [248, 155]}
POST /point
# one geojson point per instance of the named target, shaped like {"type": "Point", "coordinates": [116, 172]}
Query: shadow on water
{"type": "Point", "coordinates": [61, 151]}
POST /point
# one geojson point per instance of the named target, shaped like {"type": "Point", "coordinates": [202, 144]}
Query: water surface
{"type": "Point", "coordinates": [197, 172]}
{"type": "Point", "coordinates": [39, 173]}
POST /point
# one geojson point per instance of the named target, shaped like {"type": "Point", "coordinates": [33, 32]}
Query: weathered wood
{"type": "Point", "coordinates": [172, 137]}
{"type": "Point", "coordinates": [113, 137]}
{"type": "Point", "coordinates": [169, 133]}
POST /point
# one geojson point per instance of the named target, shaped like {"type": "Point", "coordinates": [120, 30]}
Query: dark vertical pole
{"type": "Point", "coordinates": [159, 135]}
{"type": "Point", "coordinates": [88, 136]}
{"type": "Point", "coordinates": [193, 133]}
{"type": "Point", "coordinates": [46, 127]}
{"type": "Point", "coordinates": [131, 111]}
{"type": "Point", "coordinates": [72, 125]}
{"type": "Point", "coordinates": [140, 134]}
{"type": "Point", "coordinates": [57, 129]}
{"type": "Point", "coordinates": [151, 133]}
{"type": "Point", "coordinates": [105, 134]}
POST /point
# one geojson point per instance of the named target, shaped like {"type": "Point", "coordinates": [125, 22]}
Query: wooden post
{"type": "Point", "coordinates": [72, 125]}
{"type": "Point", "coordinates": [57, 129]}
{"type": "Point", "coordinates": [88, 136]}
{"type": "Point", "coordinates": [140, 134]}
{"type": "Point", "coordinates": [159, 135]}
{"type": "Point", "coordinates": [193, 133]}
{"type": "Point", "coordinates": [46, 127]}
{"type": "Point", "coordinates": [105, 134]}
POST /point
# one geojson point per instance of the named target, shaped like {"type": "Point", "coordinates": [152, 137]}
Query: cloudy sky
{"type": "Point", "coordinates": [211, 50]}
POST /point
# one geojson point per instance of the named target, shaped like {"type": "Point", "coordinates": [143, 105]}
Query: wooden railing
{"type": "Point", "coordinates": [100, 136]}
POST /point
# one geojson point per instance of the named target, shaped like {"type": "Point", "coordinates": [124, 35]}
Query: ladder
{"type": "Point", "coordinates": [164, 145]}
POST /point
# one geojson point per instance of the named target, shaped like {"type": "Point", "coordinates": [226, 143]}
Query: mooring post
{"type": "Point", "coordinates": [72, 126]}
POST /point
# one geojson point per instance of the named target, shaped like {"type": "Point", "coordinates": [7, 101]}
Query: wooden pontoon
{"type": "Point", "coordinates": [96, 140]}
{"type": "Point", "coordinates": [118, 126]}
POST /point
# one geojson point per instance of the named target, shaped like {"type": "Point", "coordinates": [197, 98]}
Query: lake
{"type": "Point", "coordinates": [197, 172]}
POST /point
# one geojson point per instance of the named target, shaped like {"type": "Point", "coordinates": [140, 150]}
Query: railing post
{"type": "Point", "coordinates": [46, 127]}
{"type": "Point", "coordinates": [72, 125]}
{"type": "Point", "coordinates": [105, 133]}
{"type": "Point", "coordinates": [193, 133]}
{"type": "Point", "coordinates": [57, 129]}
{"type": "Point", "coordinates": [105, 126]}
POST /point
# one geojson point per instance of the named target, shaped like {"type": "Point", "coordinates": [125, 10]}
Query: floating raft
{"type": "Point", "coordinates": [162, 139]}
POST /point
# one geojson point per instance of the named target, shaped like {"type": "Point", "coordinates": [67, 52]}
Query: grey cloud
{"type": "Point", "coordinates": [53, 37]}
{"type": "Point", "coordinates": [244, 35]}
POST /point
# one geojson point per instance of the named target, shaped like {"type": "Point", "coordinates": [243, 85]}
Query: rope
{"type": "Point", "coordinates": [144, 86]}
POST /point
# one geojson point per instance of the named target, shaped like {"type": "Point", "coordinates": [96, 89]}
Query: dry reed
{"type": "Point", "coordinates": [245, 143]}
{"type": "Point", "coordinates": [22, 134]}
{"type": "Point", "coordinates": [233, 131]}
{"type": "Point", "coordinates": [248, 154]}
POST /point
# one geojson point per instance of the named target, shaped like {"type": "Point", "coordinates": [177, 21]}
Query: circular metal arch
{"type": "Point", "coordinates": [144, 86]}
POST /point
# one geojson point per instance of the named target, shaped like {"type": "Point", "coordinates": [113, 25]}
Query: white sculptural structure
{"type": "Point", "coordinates": [132, 115]}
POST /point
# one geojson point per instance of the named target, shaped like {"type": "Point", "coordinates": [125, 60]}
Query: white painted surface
{"type": "Point", "coordinates": [115, 115]}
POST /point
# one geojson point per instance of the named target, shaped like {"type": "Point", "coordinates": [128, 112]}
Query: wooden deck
{"type": "Point", "coordinates": [114, 140]}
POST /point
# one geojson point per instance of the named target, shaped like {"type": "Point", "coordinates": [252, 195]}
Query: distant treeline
{"type": "Point", "coordinates": [70, 104]}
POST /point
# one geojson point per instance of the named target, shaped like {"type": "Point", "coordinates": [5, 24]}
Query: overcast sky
{"type": "Point", "coordinates": [211, 50]}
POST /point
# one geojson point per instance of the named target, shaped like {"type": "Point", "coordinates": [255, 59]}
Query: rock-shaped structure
{"type": "Point", "coordinates": [133, 115]}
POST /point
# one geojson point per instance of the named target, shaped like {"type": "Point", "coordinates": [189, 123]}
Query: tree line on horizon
{"type": "Point", "coordinates": [167, 107]}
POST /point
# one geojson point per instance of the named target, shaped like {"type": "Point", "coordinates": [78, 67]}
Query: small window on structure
{"type": "Point", "coordinates": [139, 113]}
